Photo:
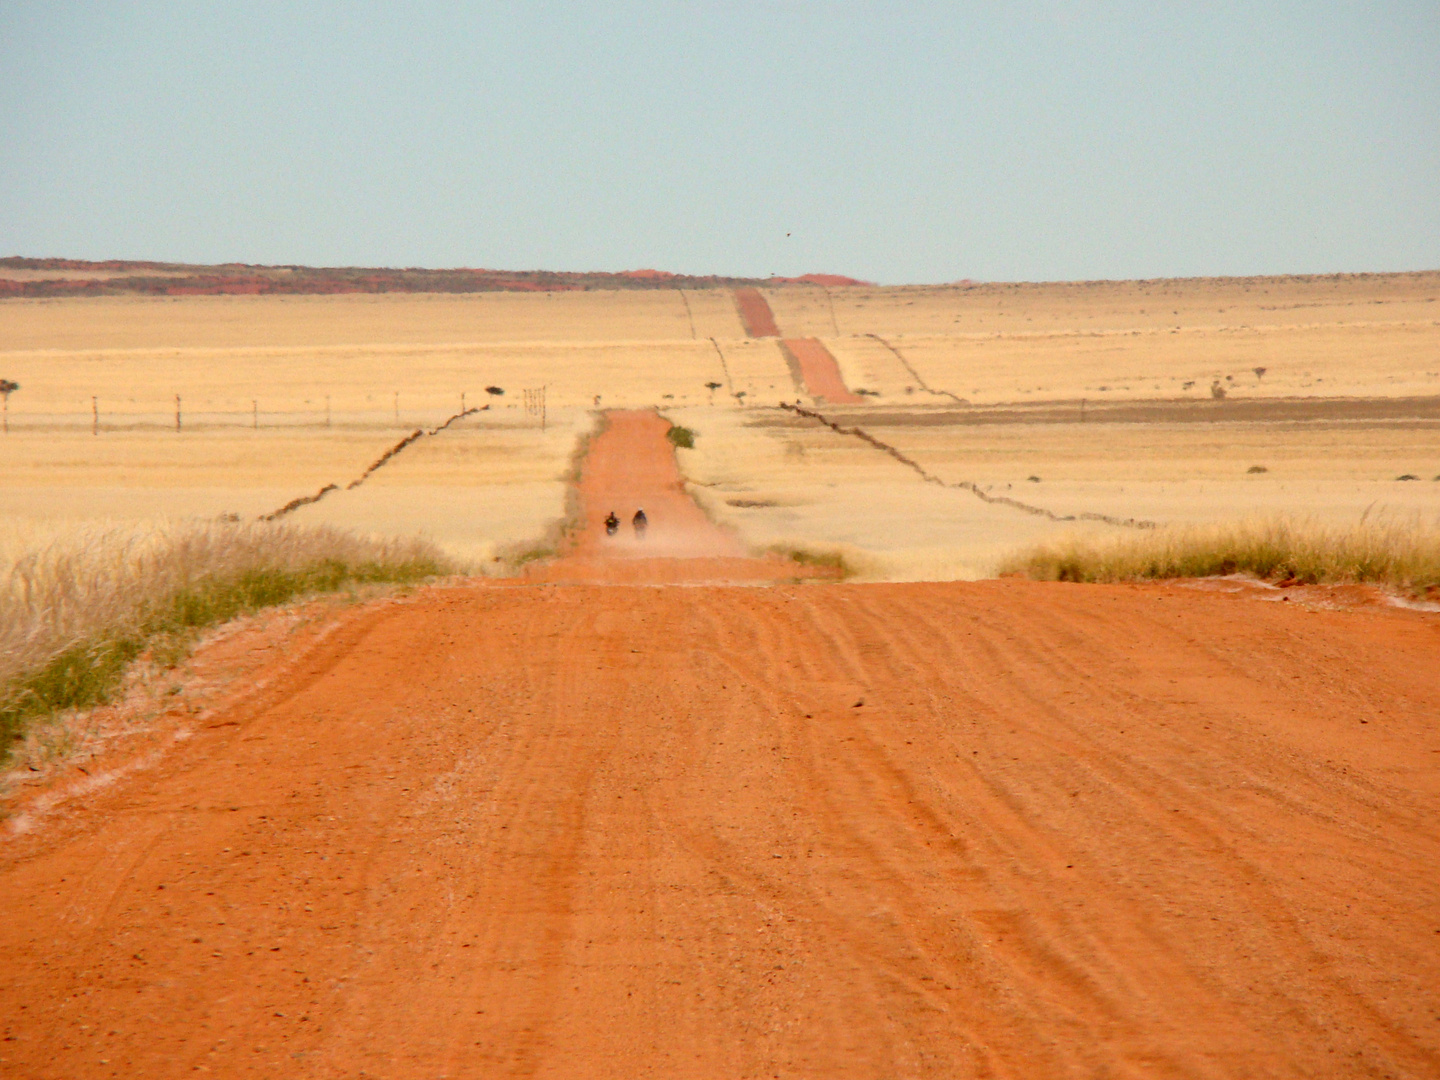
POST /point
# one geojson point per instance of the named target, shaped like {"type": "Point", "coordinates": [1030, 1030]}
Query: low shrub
{"type": "Point", "coordinates": [682, 437]}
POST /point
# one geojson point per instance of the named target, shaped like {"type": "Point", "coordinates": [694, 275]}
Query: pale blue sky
{"type": "Point", "coordinates": [900, 142]}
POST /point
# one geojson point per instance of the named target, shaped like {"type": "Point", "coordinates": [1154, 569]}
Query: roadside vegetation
{"type": "Point", "coordinates": [1398, 555]}
{"type": "Point", "coordinates": [682, 437]}
{"type": "Point", "coordinates": [75, 613]}
{"type": "Point", "coordinates": [832, 560]}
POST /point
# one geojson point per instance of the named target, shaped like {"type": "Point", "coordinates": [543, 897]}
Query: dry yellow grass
{"type": "Point", "coordinates": [796, 484]}
{"type": "Point", "coordinates": [1373, 335]}
{"type": "Point", "coordinates": [1379, 360]}
{"type": "Point", "coordinates": [291, 322]}
{"type": "Point", "coordinates": [1084, 307]}
{"type": "Point", "coordinates": [63, 588]}
{"type": "Point", "coordinates": [291, 385]}
{"type": "Point", "coordinates": [789, 480]}
{"type": "Point", "coordinates": [75, 611]}
{"type": "Point", "coordinates": [1405, 556]}
{"type": "Point", "coordinates": [483, 486]}
{"type": "Point", "coordinates": [495, 482]}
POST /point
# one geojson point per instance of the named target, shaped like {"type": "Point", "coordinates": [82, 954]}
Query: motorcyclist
{"type": "Point", "coordinates": [639, 521]}
{"type": "Point", "coordinates": [612, 524]}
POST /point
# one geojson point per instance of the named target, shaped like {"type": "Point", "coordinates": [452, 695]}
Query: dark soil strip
{"type": "Point", "coordinates": [920, 382]}
{"type": "Point", "coordinates": [755, 312]}
{"type": "Point", "coordinates": [382, 460]}
{"type": "Point", "coordinates": [963, 485]}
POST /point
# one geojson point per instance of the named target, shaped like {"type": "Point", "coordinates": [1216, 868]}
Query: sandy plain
{"type": "Point", "coordinates": [982, 383]}
{"type": "Point", "coordinates": [557, 826]}
{"type": "Point", "coordinates": [992, 829]}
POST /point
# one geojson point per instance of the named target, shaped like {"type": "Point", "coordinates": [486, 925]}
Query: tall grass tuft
{"type": "Point", "coordinates": [1403, 556]}
{"type": "Point", "coordinates": [75, 613]}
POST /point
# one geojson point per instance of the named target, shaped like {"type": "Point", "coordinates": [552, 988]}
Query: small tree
{"type": "Point", "coordinates": [712, 387]}
{"type": "Point", "coordinates": [7, 387]}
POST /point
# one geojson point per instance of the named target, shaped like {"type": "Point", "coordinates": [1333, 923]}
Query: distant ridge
{"type": "Point", "coordinates": [22, 277]}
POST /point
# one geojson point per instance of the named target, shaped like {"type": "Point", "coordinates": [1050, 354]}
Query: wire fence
{"type": "Point", "coordinates": [181, 414]}
{"type": "Point", "coordinates": [535, 404]}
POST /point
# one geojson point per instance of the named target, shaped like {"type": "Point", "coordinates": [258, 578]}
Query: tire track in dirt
{"type": "Point", "coordinates": [931, 835]}
{"type": "Point", "coordinates": [507, 830]}
{"type": "Point", "coordinates": [1000, 829]}
{"type": "Point", "coordinates": [961, 485]}
{"type": "Point", "coordinates": [1184, 832]}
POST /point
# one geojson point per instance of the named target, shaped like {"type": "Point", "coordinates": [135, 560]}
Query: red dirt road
{"type": "Point", "coordinates": [821, 372]}
{"type": "Point", "coordinates": [631, 466]}
{"type": "Point", "coordinates": [755, 313]}
{"type": "Point", "coordinates": [611, 832]}
{"type": "Point", "coordinates": [998, 829]}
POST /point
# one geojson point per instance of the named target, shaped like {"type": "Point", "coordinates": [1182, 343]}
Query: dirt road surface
{"type": "Point", "coordinates": [631, 466]}
{"type": "Point", "coordinates": [820, 372]}
{"type": "Point", "coordinates": [755, 313]}
{"type": "Point", "coordinates": [996, 829]}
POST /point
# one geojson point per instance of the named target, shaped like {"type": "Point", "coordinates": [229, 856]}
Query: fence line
{"type": "Point", "coordinates": [535, 404]}
{"type": "Point", "coordinates": [725, 367]}
{"type": "Point", "coordinates": [381, 461]}
{"type": "Point", "coordinates": [180, 414]}
{"type": "Point", "coordinates": [919, 379]}
{"type": "Point", "coordinates": [962, 485]}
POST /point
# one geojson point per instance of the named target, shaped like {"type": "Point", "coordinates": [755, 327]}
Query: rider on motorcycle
{"type": "Point", "coordinates": [612, 523]}
{"type": "Point", "coordinates": [639, 521]}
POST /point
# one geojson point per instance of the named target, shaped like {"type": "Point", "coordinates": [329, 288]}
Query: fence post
{"type": "Point", "coordinates": [94, 415]}
{"type": "Point", "coordinates": [177, 412]}
{"type": "Point", "coordinates": [7, 387]}
{"type": "Point", "coordinates": [254, 415]}
{"type": "Point", "coordinates": [535, 404]}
